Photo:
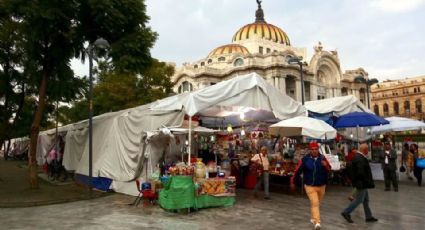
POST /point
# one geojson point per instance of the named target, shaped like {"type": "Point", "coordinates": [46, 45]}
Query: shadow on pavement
{"type": "Point", "coordinates": [15, 191]}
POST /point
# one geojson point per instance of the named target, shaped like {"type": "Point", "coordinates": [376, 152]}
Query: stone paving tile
{"type": "Point", "coordinates": [402, 210]}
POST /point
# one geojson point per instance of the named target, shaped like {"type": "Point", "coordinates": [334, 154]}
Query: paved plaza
{"type": "Point", "coordinates": [402, 210]}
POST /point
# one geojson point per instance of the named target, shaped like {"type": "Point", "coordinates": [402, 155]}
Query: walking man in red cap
{"type": "Point", "coordinates": [315, 169]}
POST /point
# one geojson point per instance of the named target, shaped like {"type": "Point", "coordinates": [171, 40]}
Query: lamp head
{"type": "Point", "coordinates": [294, 60]}
{"type": "Point", "coordinates": [360, 79]}
{"type": "Point", "coordinates": [372, 81]}
{"type": "Point", "coordinates": [101, 43]}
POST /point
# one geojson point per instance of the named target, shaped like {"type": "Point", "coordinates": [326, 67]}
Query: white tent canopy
{"type": "Point", "coordinates": [337, 105]}
{"type": "Point", "coordinates": [398, 124]}
{"type": "Point", "coordinates": [249, 90]}
{"type": "Point", "coordinates": [303, 126]}
{"type": "Point", "coordinates": [121, 145]}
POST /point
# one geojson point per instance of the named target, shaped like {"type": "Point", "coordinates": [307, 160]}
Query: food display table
{"type": "Point", "coordinates": [180, 193]}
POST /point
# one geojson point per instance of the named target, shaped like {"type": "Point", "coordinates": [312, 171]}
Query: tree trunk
{"type": "Point", "coordinates": [35, 129]}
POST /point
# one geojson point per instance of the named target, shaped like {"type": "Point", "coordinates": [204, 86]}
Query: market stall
{"type": "Point", "coordinates": [236, 140]}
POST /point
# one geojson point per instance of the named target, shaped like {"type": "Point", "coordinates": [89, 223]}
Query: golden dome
{"type": "Point", "coordinates": [262, 30]}
{"type": "Point", "coordinates": [229, 49]}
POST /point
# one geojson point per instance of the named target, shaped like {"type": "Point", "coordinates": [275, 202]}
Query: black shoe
{"type": "Point", "coordinates": [372, 219]}
{"type": "Point", "coordinates": [347, 217]}
{"type": "Point", "coordinates": [396, 190]}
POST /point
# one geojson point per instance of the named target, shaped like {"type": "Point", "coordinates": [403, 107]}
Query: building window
{"type": "Point", "coordinates": [344, 91]}
{"type": "Point", "coordinates": [419, 89]}
{"type": "Point", "coordinates": [376, 109]}
{"type": "Point", "coordinates": [238, 62]}
{"type": "Point", "coordinates": [195, 66]}
{"type": "Point", "coordinates": [396, 108]}
{"type": "Point", "coordinates": [407, 108]}
{"type": "Point", "coordinates": [202, 63]}
{"type": "Point", "coordinates": [385, 110]}
{"type": "Point", "coordinates": [418, 105]}
{"type": "Point", "coordinates": [260, 50]}
{"type": "Point", "coordinates": [268, 50]}
{"type": "Point", "coordinates": [414, 90]}
{"type": "Point", "coordinates": [185, 87]}
{"type": "Point", "coordinates": [209, 61]}
{"type": "Point", "coordinates": [221, 59]}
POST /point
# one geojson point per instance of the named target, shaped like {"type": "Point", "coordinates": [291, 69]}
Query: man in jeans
{"type": "Point", "coordinates": [262, 159]}
{"type": "Point", "coordinates": [315, 169]}
{"type": "Point", "coordinates": [362, 180]}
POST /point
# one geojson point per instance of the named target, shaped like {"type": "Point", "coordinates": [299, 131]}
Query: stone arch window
{"type": "Point", "coordinates": [209, 61]}
{"type": "Point", "coordinates": [268, 50]}
{"type": "Point", "coordinates": [376, 109]}
{"type": "Point", "coordinates": [386, 110]}
{"type": "Point", "coordinates": [195, 66]}
{"type": "Point", "coordinates": [290, 86]}
{"type": "Point", "coordinates": [238, 62]}
{"type": "Point", "coordinates": [221, 59]}
{"type": "Point", "coordinates": [396, 108]}
{"type": "Point", "coordinates": [344, 91]}
{"type": "Point", "coordinates": [185, 87]}
{"type": "Point", "coordinates": [407, 108]}
{"type": "Point", "coordinates": [202, 63]}
{"type": "Point", "coordinates": [418, 105]}
{"type": "Point", "coordinates": [362, 95]}
{"type": "Point", "coordinates": [260, 50]}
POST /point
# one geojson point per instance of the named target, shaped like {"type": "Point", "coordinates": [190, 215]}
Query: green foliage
{"type": "Point", "coordinates": [13, 83]}
{"type": "Point", "coordinates": [116, 91]}
{"type": "Point", "coordinates": [124, 25]}
{"type": "Point", "coordinates": [39, 38]}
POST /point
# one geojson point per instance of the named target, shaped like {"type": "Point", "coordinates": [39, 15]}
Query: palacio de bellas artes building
{"type": "Point", "coordinates": [264, 48]}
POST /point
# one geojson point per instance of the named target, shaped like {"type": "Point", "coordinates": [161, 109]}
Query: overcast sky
{"type": "Point", "coordinates": [385, 37]}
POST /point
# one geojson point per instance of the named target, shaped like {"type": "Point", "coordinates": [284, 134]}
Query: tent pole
{"type": "Point", "coordinates": [358, 139]}
{"type": "Point", "coordinates": [190, 140]}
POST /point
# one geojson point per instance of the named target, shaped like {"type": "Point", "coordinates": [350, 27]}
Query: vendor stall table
{"type": "Point", "coordinates": [180, 193]}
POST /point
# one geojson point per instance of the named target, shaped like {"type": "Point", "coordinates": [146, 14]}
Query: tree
{"type": "Point", "coordinates": [117, 91]}
{"type": "Point", "coordinates": [54, 31]}
{"type": "Point", "coordinates": [13, 82]}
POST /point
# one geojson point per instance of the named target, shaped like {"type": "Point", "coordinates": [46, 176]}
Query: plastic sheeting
{"type": "Point", "coordinates": [337, 105]}
{"type": "Point", "coordinates": [249, 90]}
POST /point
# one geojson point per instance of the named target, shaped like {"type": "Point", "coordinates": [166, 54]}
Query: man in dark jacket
{"type": "Point", "coordinates": [362, 180]}
{"type": "Point", "coordinates": [315, 169]}
{"type": "Point", "coordinates": [389, 167]}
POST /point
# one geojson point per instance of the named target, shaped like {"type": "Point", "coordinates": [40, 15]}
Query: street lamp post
{"type": "Point", "coordinates": [368, 83]}
{"type": "Point", "coordinates": [298, 60]}
{"type": "Point", "coordinates": [102, 44]}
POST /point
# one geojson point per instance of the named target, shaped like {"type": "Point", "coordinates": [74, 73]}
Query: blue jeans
{"type": "Point", "coordinates": [264, 178]}
{"type": "Point", "coordinates": [361, 197]}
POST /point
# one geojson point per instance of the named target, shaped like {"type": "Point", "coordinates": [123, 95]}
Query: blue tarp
{"type": "Point", "coordinates": [326, 117]}
{"type": "Point", "coordinates": [101, 183]}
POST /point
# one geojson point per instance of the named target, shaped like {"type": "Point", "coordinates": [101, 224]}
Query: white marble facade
{"type": "Point", "coordinates": [264, 48]}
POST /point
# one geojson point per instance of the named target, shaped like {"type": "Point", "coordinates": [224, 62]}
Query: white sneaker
{"type": "Point", "coordinates": [317, 226]}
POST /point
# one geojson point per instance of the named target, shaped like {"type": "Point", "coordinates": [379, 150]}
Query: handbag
{"type": "Point", "coordinates": [402, 169]}
{"type": "Point", "coordinates": [420, 163]}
